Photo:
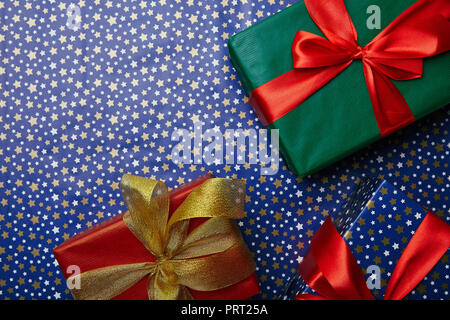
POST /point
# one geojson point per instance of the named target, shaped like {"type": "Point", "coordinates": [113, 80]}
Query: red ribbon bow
{"type": "Point", "coordinates": [423, 30]}
{"type": "Point", "coordinates": [331, 269]}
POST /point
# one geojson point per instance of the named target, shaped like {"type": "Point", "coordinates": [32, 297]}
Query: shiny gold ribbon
{"type": "Point", "coordinates": [211, 257]}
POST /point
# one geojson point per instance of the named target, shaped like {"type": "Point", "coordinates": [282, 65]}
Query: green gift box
{"type": "Point", "coordinates": [339, 118]}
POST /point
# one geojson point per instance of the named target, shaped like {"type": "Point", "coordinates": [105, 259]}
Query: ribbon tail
{"type": "Point", "coordinates": [334, 21]}
{"type": "Point", "coordinates": [106, 283]}
{"type": "Point", "coordinates": [270, 103]}
{"type": "Point", "coordinates": [429, 243]}
{"type": "Point", "coordinates": [400, 69]}
{"type": "Point", "coordinates": [312, 275]}
{"type": "Point", "coordinates": [336, 274]}
{"type": "Point", "coordinates": [391, 110]}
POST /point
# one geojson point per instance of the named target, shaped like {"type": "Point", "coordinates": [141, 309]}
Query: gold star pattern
{"type": "Point", "coordinates": [79, 108]}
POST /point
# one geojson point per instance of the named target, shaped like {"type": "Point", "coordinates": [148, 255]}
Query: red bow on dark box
{"type": "Point", "coordinates": [396, 53]}
{"type": "Point", "coordinates": [331, 270]}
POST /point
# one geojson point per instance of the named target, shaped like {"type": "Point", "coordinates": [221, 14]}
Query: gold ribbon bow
{"type": "Point", "coordinates": [211, 257]}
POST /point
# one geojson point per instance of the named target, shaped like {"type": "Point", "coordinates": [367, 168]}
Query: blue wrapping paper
{"type": "Point", "coordinates": [81, 107]}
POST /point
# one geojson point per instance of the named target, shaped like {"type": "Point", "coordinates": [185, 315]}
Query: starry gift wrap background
{"type": "Point", "coordinates": [79, 108]}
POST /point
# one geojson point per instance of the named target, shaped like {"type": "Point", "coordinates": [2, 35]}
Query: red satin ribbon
{"type": "Point", "coordinates": [423, 30]}
{"type": "Point", "coordinates": [332, 271]}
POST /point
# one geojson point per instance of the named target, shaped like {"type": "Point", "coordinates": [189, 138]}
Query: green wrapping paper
{"type": "Point", "coordinates": [338, 119]}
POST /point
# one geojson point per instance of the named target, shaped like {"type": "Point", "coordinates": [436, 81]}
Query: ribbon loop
{"type": "Point", "coordinates": [213, 198]}
{"type": "Point", "coordinates": [336, 271]}
{"type": "Point", "coordinates": [148, 209]}
{"type": "Point", "coordinates": [312, 51]}
{"type": "Point", "coordinates": [419, 32]}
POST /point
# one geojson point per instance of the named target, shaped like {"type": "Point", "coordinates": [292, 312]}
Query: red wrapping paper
{"type": "Point", "coordinates": [112, 243]}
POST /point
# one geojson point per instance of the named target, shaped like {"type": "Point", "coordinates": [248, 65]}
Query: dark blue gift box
{"type": "Point", "coordinates": [377, 222]}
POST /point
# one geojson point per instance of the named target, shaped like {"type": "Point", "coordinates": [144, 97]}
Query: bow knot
{"type": "Point", "coordinates": [164, 269]}
{"type": "Point", "coordinates": [360, 53]}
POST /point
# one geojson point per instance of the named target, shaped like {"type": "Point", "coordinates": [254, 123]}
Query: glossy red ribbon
{"type": "Point", "coordinates": [397, 52]}
{"type": "Point", "coordinates": [332, 271]}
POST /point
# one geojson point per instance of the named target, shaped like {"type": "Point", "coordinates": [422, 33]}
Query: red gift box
{"type": "Point", "coordinates": [111, 243]}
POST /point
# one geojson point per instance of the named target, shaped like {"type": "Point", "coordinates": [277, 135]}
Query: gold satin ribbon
{"type": "Point", "coordinates": [211, 257]}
